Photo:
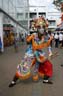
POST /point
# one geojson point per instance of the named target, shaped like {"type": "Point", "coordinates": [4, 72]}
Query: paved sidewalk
{"type": "Point", "coordinates": [8, 62]}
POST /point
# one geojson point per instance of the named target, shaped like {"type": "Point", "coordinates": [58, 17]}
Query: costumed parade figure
{"type": "Point", "coordinates": [43, 66]}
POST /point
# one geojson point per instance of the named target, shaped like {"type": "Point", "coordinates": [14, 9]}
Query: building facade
{"type": "Point", "coordinates": [34, 10]}
{"type": "Point", "coordinates": [8, 20]}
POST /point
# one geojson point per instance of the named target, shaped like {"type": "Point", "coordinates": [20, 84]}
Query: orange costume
{"type": "Point", "coordinates": [46, 67]}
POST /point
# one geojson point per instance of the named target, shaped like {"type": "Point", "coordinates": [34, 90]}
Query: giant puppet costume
{"type": "Point", "coordinates": [45, 69]}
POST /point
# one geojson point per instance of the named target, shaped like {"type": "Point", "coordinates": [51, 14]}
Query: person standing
{"type": "Point", "coordinates": [0, 45]}
{"type": "Point", "coordinates": [56, 37]}
{"type": "Point", "coordinates": [16, 43]}
{"type": "Point", "coordinates": [60, 39]}
{"type": "Point", "coordinates": [22, 38]}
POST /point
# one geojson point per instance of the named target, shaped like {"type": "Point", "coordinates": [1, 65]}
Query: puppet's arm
{"type": "Point", "coordinates": [42, 45]}
{"type": "Point", "coordinates": [29, 38]}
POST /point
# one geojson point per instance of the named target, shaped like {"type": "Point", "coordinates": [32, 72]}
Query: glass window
{"type": "Point", "coordinates": [26, 15]}
{"type": "Point", "coordinates": [19, 15]}
{"type": "Point", "coordinates": [42, 14]}
{"type": "Point", "coordinates": [52, 23]}
{"type": "Point", "coordinates": [1, 1]}
{"type": "Point", "coordinates": [33, 15]}
{"type": "Point", "coordinates": [5, 5]}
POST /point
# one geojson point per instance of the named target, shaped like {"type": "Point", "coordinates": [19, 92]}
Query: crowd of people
{"type": "Point", "coordinates": [58, 37]}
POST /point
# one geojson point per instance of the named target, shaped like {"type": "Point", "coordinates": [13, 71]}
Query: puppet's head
{"type": "Point", "coordinates": [40, 32]}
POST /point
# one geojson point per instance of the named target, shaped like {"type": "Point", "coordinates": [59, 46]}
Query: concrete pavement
{"type": "Point", "coordinates": [8, 62]}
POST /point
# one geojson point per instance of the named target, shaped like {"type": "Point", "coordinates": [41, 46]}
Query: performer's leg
{"type": "Point", "coordinates": [13, 81]}
{"type": "Point", "coordinates": [46, 80]}
{"type": "Point", "coordinates": [36, 66]}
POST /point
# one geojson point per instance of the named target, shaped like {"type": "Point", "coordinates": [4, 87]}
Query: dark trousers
{"type": "Point", "coordinates": [15, 78]}
{"type": "Point", "coordinates": [56, 43]}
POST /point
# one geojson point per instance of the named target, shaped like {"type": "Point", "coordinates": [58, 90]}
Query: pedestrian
{"type": "Point", "coordinates": [56, 38]}
{"type": "Point", "coordinates": [15, 42]}
{"type": "Point", "coordinates": [22, 38]}
{"type": "Point", "coordinates": [60, 39]}
{"type": "Point", "coordinates": [0, 44]}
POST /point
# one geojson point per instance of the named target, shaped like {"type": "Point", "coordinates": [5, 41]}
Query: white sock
{"type": "Point", "coordinates": [45, 81]}
{"type": "Point", "coordinates": [12, 82]}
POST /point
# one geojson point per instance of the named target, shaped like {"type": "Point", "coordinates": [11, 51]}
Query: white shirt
{"type": "Point", "coordinates": [56, 36]}
{"type": "Point", "coordinates": [60, 37]}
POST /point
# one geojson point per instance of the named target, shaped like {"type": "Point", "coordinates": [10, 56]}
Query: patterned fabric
{"type": "Point", "coordinates": [23, 69]}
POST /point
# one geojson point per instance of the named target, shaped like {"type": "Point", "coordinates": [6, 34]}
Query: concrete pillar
{"type": "Point", "coordinates": [1, 30]}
